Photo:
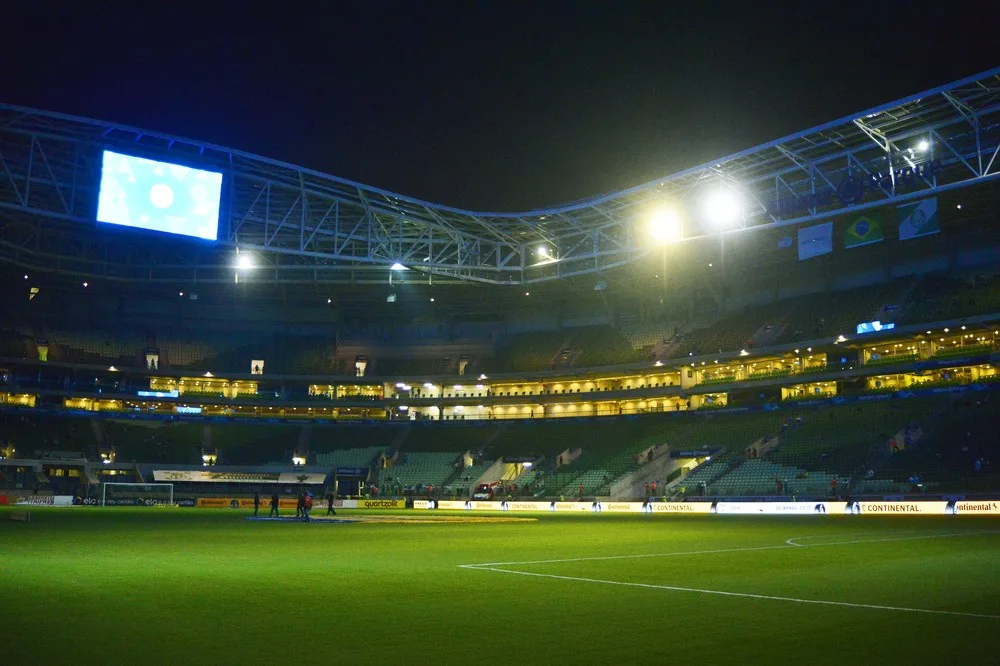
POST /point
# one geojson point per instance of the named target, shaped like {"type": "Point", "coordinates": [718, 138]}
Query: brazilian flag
{"type": "Point", "coordinates": [863, 231]}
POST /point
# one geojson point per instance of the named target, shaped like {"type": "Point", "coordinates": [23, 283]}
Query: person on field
{"type": "Point", "coordinates": [307, 505]}
{"type": "Point", "coordinates": [329, 505]}
{"type": "Point", "coordinates": [300, 505]}
{"type": "Point", "coordinates": [256, 503]}
{"type": "Point", "coordinates": [581, 490]}
{"type": "Point", "coordinates": [274, 506]}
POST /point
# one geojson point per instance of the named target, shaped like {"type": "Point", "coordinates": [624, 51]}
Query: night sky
{"type": "Point", "coordinates": [487, 105]}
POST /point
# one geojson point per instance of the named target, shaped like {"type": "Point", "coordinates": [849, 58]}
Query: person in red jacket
{"type": "Point", "coordinates": [307, 505]}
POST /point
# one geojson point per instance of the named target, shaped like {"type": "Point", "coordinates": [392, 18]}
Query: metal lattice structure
{"type": "Point", "coordinates": [307, 226]}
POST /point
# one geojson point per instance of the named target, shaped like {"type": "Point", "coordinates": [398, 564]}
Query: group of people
{"type": "Point", "coordinates": [303, 506]}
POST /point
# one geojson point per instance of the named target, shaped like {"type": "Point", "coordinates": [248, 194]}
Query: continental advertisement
{"type": "Point", "coordinates": [902, 507]}
{"type": "Point", "coordinates": [970, 507]}
{"type": "Point", "coordinates": [244, 503]}
{"type": "Point", "coordinates": [681, 507]}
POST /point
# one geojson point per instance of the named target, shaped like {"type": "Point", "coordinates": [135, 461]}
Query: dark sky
{"type": "Point", "coordinates": [487, 105]}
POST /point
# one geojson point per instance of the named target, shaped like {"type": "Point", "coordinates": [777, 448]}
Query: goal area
{"type": "Point", "coordinates": [137, 494]}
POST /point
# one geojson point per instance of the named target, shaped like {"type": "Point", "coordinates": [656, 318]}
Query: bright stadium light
{"type": "Point", "coordinates": [924, 145]}
{"type": "Point", "coordinates": [244, 262]}
{"type": "Point", "coordinates": [543, 250]}
{"type": "Point", "coordinates": [723, 208]}
{"type": "Point", "coordinates": [665, 225]}
{"type": "Point", "coordinates": [397, 267]}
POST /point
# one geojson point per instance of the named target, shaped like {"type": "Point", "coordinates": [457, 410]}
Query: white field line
{"type": "Point", "coordinates": [784, 546]}
{"type": "Point", "coordinates": [792, 541]}
{"type": "Point", "coordinates": [496, 567]}
{"type": "Point", "coordinates": [746, 595]}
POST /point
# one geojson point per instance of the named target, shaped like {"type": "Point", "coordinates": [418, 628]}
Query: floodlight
{"type": "Point", "coordinates": [924, 145]}
{"type": "Point", "coordinates": [543, 251]}
{"type": "Point", "coordinates": [244, 262]}
{"type": "Point", "coordinates": [665, 225]}
{"type": "Point", "coordinates": [397, 267]}
{"type": "Point", "coordinates": [723, 208]}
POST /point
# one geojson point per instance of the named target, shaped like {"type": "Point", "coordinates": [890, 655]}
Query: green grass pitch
{"type": "Point", "coordinates": [90, 585]}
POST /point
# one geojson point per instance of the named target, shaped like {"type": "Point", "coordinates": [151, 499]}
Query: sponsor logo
{"type": "Point", "coordinates": [381, 504]}
{"type": "Point", "coordinates": [937, 508]}
{"type": "Point", "coordinates": [681, 507]}
{"type": "Point", "coordinates": [774, 508]}
{"type": "Point", "coordinates": [968, 506]}
{"type": "Point", "coordinates": [623, 507]}
{"type": "Point", "coordinates": [213, 502]}
{"type": "Point", "coordinates": [45, 500]}
{"type": "Point", "coordinates": [36, 501]}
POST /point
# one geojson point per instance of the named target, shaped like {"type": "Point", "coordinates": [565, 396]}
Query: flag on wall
{"type": "Point", "coordinates": [814, 241]}
{"type": "Point", "coordinates": [918, 219]}
{"type": "Point", "coordinates": [865, 230]}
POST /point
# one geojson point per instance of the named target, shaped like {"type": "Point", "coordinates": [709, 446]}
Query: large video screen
{"type": "Point", "coordinates": [159, 196]}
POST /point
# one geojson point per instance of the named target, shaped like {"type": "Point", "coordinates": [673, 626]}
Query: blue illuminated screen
{"type": "Point", "coordinates": [159, 196]}
{"type": "Point", "coordinates": [874, 327]}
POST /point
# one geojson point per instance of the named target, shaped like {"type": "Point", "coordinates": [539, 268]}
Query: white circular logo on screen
{"type": "Point", "coordinates": [161, 195]}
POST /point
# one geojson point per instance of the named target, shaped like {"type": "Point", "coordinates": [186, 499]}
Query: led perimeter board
{"type": "Point", "coordinates": [159, 196]}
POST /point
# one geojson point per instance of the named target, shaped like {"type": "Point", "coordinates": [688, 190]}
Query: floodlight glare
{"type": "Point", "coordinates": [543, 251]}
{"type": "Point", "coordinates": [722, 208]}
{"type": "Point", "coordinates": [397, 267]}
{"type": "Point", "coordinates": [665, 225]}
{"type": "Point", "coordinates": [244, 262]}
{"type": "Point", "coordinates": [923, 145]}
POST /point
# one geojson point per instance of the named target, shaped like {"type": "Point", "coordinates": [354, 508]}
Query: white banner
{"type": "Point", "coordinates": [894, 508]}
{"type": "Point", "coordinates": [205, 476]}
{"type": "Point", "coordinates": [974, 507]}
{"type": "Point", "coordinates": [45, 500]}
{"type": "Point", "coordinates": [814, 241]}
{"type": "Point", "coordinates": [774, 508]}
{"type": "Point", "coordinates": [681, 507]}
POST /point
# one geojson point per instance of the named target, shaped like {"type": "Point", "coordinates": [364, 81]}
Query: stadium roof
{"type": "Point", "coordinates": [307, 226]}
